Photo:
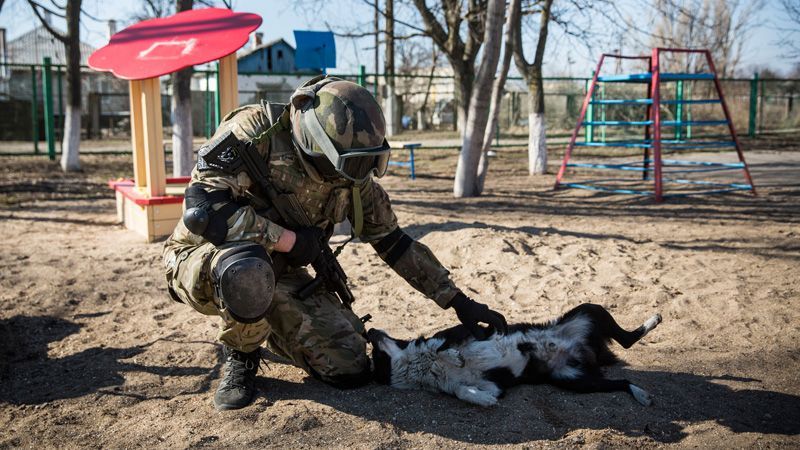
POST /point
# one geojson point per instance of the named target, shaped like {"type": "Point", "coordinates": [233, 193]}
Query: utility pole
{"type": "Point", "coordinates": [377, 45]}
{"type": "Point", "coordinates": [391, 111]}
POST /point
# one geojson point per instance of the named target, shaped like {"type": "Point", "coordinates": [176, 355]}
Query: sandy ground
{"type": "Point", "coordinates": [94, 354]}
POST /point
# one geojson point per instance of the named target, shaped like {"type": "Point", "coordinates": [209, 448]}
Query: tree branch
{"type": "Point", "coordinates": [434, 28]}
{"type": "Point", "coordinates": [401, 22]}
{"type": "Point", "coordinates": [61, 37]}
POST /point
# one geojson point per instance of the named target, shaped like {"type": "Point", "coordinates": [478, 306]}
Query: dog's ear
{"type": "Point", "coordinates": [452, 357]}
{"type": "Point", "coordinates": [390, 347]}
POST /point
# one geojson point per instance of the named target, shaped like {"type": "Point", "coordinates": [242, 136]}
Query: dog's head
{"type": "Point", "coordinates": [406, 364]}
{"type": "Point", "coordinates": [386, 353]}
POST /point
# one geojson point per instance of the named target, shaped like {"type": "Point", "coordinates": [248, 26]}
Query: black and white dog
{"type": "Point", "coordinates": [567, 352]}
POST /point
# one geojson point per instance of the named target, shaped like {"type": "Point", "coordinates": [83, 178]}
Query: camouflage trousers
{"type": "Point", "coordinates": [317, 334]}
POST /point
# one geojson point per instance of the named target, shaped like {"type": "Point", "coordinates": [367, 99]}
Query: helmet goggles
{"type": "Point", "coordinates": [357, 164]}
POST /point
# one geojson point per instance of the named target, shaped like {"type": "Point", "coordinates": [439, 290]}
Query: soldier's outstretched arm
{"type": "Point", "coordinates": [411, 259]}
{"type": "Point", "coordinates": [416, 263]}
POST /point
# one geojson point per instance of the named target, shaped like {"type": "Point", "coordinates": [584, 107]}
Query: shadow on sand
{"type": "Point", "coordinates": [530, 413]}
{"type": "Point", "coordinates": [29, 374]}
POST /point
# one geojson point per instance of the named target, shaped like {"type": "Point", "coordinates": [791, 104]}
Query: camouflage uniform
{"type": "Point", "coordinates": [318, 334]}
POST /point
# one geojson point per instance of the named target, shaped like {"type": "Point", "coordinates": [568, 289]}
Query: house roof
{"type": "Point", "coordinates": [269, 44]}
{"type": "Point", "coordinates": [34, 45]}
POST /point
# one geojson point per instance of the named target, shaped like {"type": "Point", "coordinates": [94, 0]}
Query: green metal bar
{"type": "Point", "coordinates": [751, 120]}
{"type": "Point", "coordinates": [60, 84]}
{"type": "Point", "coordinates": [589, 114]}
{"type": "Point", "coordinates": [47, 93]}
{"type": "Point", "coordinates": [679, 108]}
{"type": "Point", "coordinates": [362, 76]}
{"type": "Point", "coordinates": [34, 112]}
{"type": "Point", "coordinates": [689, 113]}
{"type": "Point", "coordinates": [217, 112]}
{"type": "Point", "coordinates": [761, 100]}
{"type": "Point", "coordinates": [603, 113]}
{"type": "Point", "coordinates": [207, 105]}
{"type": "Point", "coordinates": [375, 86]}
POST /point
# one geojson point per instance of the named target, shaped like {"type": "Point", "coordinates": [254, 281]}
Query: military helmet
{"type": "Point", "coordinates": [340, 127]}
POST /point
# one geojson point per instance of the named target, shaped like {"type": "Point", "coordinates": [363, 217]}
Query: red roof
{"type": "Point", "coordinates": [158, 47]}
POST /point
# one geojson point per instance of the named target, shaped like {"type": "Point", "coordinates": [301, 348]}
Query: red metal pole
{"type": "Point", "coordinates": [656, 96]}
{"type": "Point", "coordinates": [649, 115]}
{"type": "Point", "coordinates": [730, 123]}
{"type": "Point", "coordinates": [581, 116]}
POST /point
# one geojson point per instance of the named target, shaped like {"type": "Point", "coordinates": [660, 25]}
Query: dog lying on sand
{"type": "Point", "coordinates": [567, 352]}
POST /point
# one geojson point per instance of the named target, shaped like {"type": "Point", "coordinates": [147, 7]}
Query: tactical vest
{"type": "Point", "coordinates": [324, 202]}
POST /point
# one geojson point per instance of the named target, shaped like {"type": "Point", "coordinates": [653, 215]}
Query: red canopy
{"type": "Point", "coordinates": [157, 47]}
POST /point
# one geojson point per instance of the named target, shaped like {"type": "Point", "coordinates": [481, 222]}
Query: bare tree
{"type": "Point", "coordinates": [466, 180]}
{"type": "Point", "coordinates": [497, 91]}
{"type": "Point", "coordinates": [532, 72]}
{"type": "Point", "coordinates": [181, 110]}
{"type": "Point", "coordinates": [789, 41]}
{"type": "Point", "coordinates": [444, 24]}
{"type": "Point", "coordinates": [721, 26]}
{"type": "Point", "coordinates": [420, 62]}
{"type": "Point", "coordinates": [70, 156]}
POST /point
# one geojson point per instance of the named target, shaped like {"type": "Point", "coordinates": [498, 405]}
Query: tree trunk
{"type": "Point", "coordinates": [464, 80]}
{"type": "Point", "coordinates": [181, 113]}
{"type": "Point", "coordinates": [391, 109]}
{"type": "Point", "coordinates": [537, 144]}
{"type": "Point", "coordinates": [465, 184]}
{"type": "Point", "coordinates": [70, 156]}
{"type": "Point", "coordinates": [182, 131]}
{"type": "Point", "coordinates": [497, 94]}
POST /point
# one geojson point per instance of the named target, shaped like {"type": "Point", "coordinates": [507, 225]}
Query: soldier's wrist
{"type": "Point", "coordinates": [285, 242]}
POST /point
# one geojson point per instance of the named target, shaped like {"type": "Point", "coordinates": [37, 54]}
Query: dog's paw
{"type": "Point", "coordinates": [652, 323]}
{"type": "Point", "coordinates": [641, 395]}
{"type": "Point", "coordinates": [476, 396]}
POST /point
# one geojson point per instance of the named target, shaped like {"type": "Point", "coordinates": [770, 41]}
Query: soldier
{"type": "Point", "coordinates": [252, 225]}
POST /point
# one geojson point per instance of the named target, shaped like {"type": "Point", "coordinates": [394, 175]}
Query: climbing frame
{"type": "Point", "coordinates": [661, 169]}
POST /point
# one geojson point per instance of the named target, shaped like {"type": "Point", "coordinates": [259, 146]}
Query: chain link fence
{"type": "Point", "coordinates": [425, 103]}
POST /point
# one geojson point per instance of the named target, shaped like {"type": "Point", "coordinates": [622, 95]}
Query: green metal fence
{"type": "Point", "coordinates": [33, 97]}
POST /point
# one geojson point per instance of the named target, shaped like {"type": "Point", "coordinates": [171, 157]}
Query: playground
{"type": "Point", "coordinates": [96, 355]}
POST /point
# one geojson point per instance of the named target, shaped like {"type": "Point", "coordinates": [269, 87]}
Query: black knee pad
{"type": "Point", "coordinates": [244, 282]}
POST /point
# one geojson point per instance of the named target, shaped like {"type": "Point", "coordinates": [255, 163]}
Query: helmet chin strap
{"type": "Point", "coordinates": [358, 212]}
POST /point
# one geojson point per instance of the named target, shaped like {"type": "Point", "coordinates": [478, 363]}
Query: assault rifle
{"type": "Point", "coordinates": [329, 273]}
{"type": "Point", "coordinates": [230, 155]}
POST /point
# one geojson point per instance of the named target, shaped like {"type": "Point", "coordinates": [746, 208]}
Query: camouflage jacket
{"type": "Point", "coordinates": [325, 203]}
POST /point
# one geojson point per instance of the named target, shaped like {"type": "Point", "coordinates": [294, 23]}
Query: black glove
{"type": "Point", "coordinates": [306, 247]}
{"type": "Point", "coordinates": [470, 312]}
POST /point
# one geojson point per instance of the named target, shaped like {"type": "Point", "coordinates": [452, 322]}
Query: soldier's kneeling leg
{"type": "Point", "coordinates": [318, 334]}
{"type": "Point", "coordinates": [244, 282]}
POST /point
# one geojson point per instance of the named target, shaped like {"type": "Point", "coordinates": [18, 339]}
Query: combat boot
{"type": "Point", "coordinates": [237, 387]}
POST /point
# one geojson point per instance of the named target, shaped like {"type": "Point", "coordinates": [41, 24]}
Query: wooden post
{"type": "Point", "coordinates": [137, 134]}
{"type": "Point", "coordinates": [155, 171]}
{"type": "Point", "coordinates": [228, 85]}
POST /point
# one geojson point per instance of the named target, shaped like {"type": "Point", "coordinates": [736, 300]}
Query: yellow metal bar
{"type": "Point", "coordinates": [228, 85]}
{"type": "Point", "coordinates": [153, 138]}
{"type": "Point", "coordinates": [137, 134]}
